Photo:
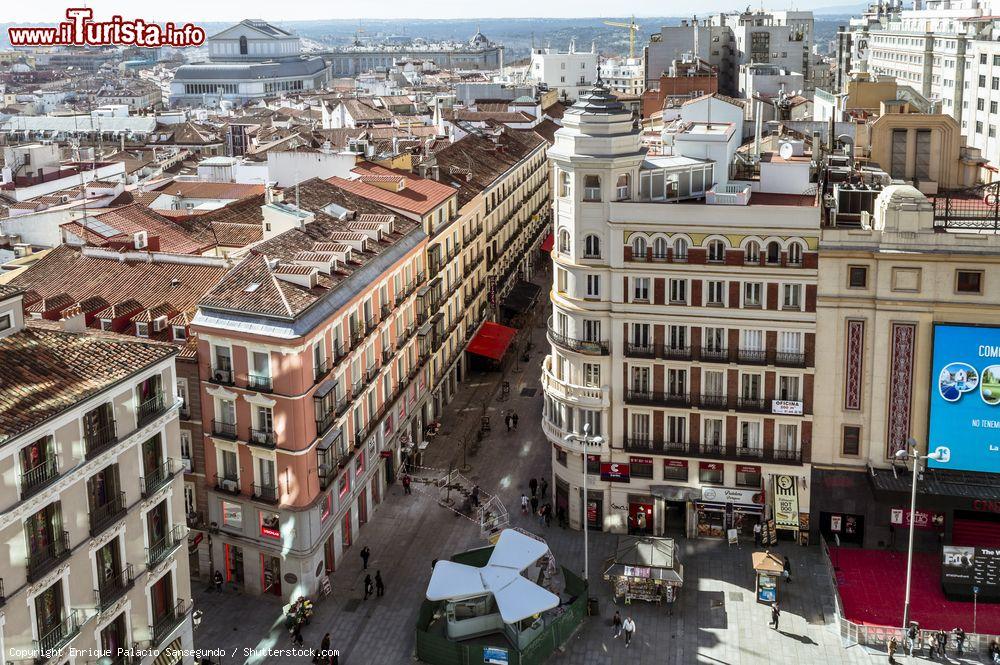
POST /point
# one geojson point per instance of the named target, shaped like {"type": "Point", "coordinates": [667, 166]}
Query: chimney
{"type": "Point", "coordinates": [72, 319]}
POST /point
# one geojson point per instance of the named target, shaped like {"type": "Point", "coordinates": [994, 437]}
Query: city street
{"type": "Point", "coordinates": [716, 619]}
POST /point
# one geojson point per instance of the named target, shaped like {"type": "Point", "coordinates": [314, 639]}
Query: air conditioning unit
{"type": "Point", "coordinates": [229, 485]}
{"type": "Point", "coordinates": [140, 239]}
{"type": "Point", "coordinates": [220, 376]}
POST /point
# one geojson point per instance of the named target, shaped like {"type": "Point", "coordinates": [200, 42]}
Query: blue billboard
{"type": "Point", "coordinates": [965, 397]}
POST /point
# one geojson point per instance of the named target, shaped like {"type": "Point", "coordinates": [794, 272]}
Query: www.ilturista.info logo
{"type": "Point", "coordinates": [81, 30]}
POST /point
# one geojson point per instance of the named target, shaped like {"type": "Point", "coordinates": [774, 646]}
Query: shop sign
{"type": "Point", "coordinates": [921, 519]}
{"type": "Point", "coordinates": [971, 567]}
{"type": "Point", "coordinates": [676, 463]}
{"type": "Point", "coordinates": [640, 460]}
{"type": "Point", "coordinates": [732, 495]}
{"type": "Point", "coordinates": [194, 542]}
{"type": "Point", "coordinates": [786, 502]}
{"type": "Point", "coordinates": [637, 571]}
{"type": "Point", "coordinates": [591, 512]}
{"type": "Point", "coordinates": [385, 453]}
{"type": "Point", "coordinates": [747, 468]}
{"type": "Point", "coordinates": [615, 472]}
{"type": "Point", "coordinates": [270, 525]}
{"type": "Point", "coordinates": [710, 466]}
{"type": "Point", "coordinates": [985, 506]}
{"type": "Point", "coordinates": [495, 656]}
{"type": "Point", "coordinates": [836, 523]}
{"type": "Point", "coordinates": [232, 515]}
{"type": "Point", "coordinates": [786, 407]}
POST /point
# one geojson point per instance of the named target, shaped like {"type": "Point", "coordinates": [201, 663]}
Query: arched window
{"type": "Point", "coordinates": [564, 183]}
{"type": "Point", "coordinates": [564, 241]}
{"type": "Point", "coordinates": [592, 247]}
{"type": "Point", "coordinates": [773, 252]}
{"type": "Point", "coordinates": [716, 251]}
{"type": "Point", "coordinates": [243, 45]}
{"type": "Point", "coordinates": [622, 188]}
{"type": "Point", "coordinates": [795, 254]}
{"type": "Point", "coordinates": [680, 249]}
{"type": "Point", "coordinates": [639, 248]}
{"type": "Point", "coordinates": [660, 248]}
{"type": "Point", "coordinates": [752, 252]}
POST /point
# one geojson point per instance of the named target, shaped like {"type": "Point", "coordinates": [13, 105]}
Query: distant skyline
{"type": "Point", "coordinates": [51, 11]}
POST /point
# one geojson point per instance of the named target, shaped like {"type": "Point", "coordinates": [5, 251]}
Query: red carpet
{"type": "Point", "coordinates": [872, 586]}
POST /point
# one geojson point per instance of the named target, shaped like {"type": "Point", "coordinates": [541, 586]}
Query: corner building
{"type": "Point", "coordinates": [683, 329]}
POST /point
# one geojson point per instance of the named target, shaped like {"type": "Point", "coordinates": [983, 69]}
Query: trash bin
{"type": "Point", "coordinates": [592, 607]}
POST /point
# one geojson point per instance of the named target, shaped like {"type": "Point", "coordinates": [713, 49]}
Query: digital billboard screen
{"type": "Point", "coordinates": [965, 397]}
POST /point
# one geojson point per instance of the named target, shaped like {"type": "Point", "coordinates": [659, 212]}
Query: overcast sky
{"type": "Point", "coordinates": [51, 11]}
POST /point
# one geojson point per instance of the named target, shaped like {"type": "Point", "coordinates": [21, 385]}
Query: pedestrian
{"type": "Point", "coordinates": [616, 624]}
{"type": "Point", "coordinates": [561, 516]}
{"type": "Point", "coordinates": [524, 504]}
{"type": "Point", "coordinates": [365, 553]}
{"type": "Point", "coordinates": [775, 615]}
{"type": "Point", "coordinates": [323, 653]}
{"type": "Point", "coordinates": [508, 421]}
{"type": "Point", "coordinates": [534, 504]}
{"type": "Point", "coordinates": [893, 645]}
{"type": "Point", "coordinates": [475, 495]}
{"type": "Point", "coordinates": [959, 641]}
{"type": "Point", "coordinates": [541, 516]}
{"type": "Point", "coordinates": [786, 571]}
{"type": "Point", "coordinates": [368, 586]}
{"type": "Point", "coordinates": [297, 632]}
{"type": "Point", "coordinates": [379, 584]}
{"type": "Point", "coordinates": [942, 643]}
{"type": "Point", "coordinates": [756, 534]}
{"type": "Point", "coordinates": [548, 514]}
{"type": "Point", "coordinates": [406, 483]}
{"type": "Point", "coordinates": [533, 486]}
{"type": "Point", "coordinates": [543, 486]}
{"type": "Point", "coordinates": [514, 419]}
{"type": "Point", "coordinates": [912, 633]}
{"type": "Point", "coordinates": [994, 652]}
{"type": "Point", "coordinates": [217, 578]}
{"type": "Point", "coordinates": [629, 627]}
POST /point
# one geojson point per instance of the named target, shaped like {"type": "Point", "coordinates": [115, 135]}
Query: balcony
{"type": "Point", "coordinates": [49, 645]}
{"type": "Point", "coordinates": [370, 374]}
{"type": "Point", "coordinates": [321, 370]}
{"type": "Point", "coordinates": [148, 410]}
{"type": "Point", "coordinates": [789, 359]}
{"type": "Point", "coordinates": [324, 422]}
{"type": "Point", "coordinates": [158, 551]}
{"type": "Point", "coordinates": [259, 382]}
{"type": "Point", "coordinates": [265, 493]}
{"type": "Point", "coordinates": [44, 559]}
{"type": "Point", "coordinates": [37, 479]}
{"type": "Point", "coordinates": [753, 405]}
{"type": "Point", "coordinates": [327, 473]}
{"type": "Point", "coordinates": [222, 376]}
{"type": "Point", "coordinates": [558, 435]}
{"type": "Point", "coordinates": [228, 483]}
{"type": "Point", "coordinates": [370, 324]}
{"type": "Point", "coordinates": [640, 350]}
{"type": "Point", "coordinates": [224, 430]}
{"type": "Point", "coordinates": [100, 439]}
{"type": "Point", "coordinates": [786, 455]}
{"type": "Point", "coordinates": [712, 449]}
{"type": "Point", "coordinates": [263, 438]}
{"type": "Point", "coordinates": [755, 453]}
{"type": "Point", "coordinates": [714, 402]}
{"type": "Point", "coordinates": [159, 477]}
{"type": "Point", "coordinates": [676, 352]}
{"type": "Point", "coordinates": [658, 398]}
{"type": "Point", "coordinates": [714, 355]}
{"type": "Point", "coordinates": [101, 517]}
{"type": "Point", "coordinates": [111, 589]}
{"type": "Point", "coordinates": [752, 356]}
{"type": "Point", "coordinates": [589, 347]}
{"type": "Point", "coordinates": [165, 624]}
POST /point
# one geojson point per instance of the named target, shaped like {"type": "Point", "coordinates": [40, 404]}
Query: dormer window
{"type": "Point", "coordinates": [180, 333]}
{"type": "Point", "coordinates": [106, 324]}
{"type": "Point", "coordinates": [142, 330]}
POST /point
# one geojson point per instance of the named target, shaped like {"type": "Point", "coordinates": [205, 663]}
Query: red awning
{"type": "Point", "coordinates": [548, 243]}
{"type": "Point", "coordinates": [492, 340]}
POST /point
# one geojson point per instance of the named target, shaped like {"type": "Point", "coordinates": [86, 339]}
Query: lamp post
{"type": "Point", "coordinates": [587, 441]}
{"type": "Point", "coordinates": [941, 454]}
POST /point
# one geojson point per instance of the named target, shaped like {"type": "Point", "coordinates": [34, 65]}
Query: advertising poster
{"type": "Point", "coordinates": [967, 567]}
{"type": "Point", "coordinates": [616, 472]}
{"type": "Point", "coordinates": [965, 397]}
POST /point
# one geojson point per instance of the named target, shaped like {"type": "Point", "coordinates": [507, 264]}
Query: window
{"type": "Point", "coordinates": [640, 467]}
{"type": "Point", "coordinates": [750, 435]}
{"type": "Point", "coordinates": [750, 386]}
{"type": "Point", "coordinates": [591, 330]}
{"type": "Point", "coordinates": [243, 45]}
{"type": "Point", "coordinates": [857, 277]}
{"type": "Point", "coordinates": [676, 429]}
{"type": "Point", "coordinates": [622, 187]}
{"type": "Point", "coordinates": [788, 388]}
{"type": "Point", "coordinates": [142, 330]}
{"type": "Point", "coordinates": [969, 281]}
{"type": "Point", "coordinates": [641, 289]}
{"type": "Point", "coordinates": [711, 473]}
{"type": "Point", "coordinates": [747, 476]}
{"type": "Point", "coordinates": [716, 251]}
{"type": "Point", "coordinates": [565, 188]}
{"type": "Point", "coordinates": [852, 440]}
{"type": "Point", "coordinates": [594, 465]}
{"type": "Point", "coordinates": [751, 294]}
{"type": "Point", "coordinates": [792, 296]}
{"type": "Point", "coordinates": [593, 286]}
{"type": "Point", "coordinates": [592, 247]}
{"type": "Point", "coordinates": [995, 83]}
{"type": "Point", "coordinates": [180, 332]}
{"type": "Point", "coordinates": [592, 375]}
{"type": "Point", "coordinates": [564, 241]}
{"type": "Point", "coordinates": [592, 418]}
{"type": "Point", "coordinates": [713, 428]}
{"type": "Point", "coordinates": [639, 248]}
{"type": "Point", "coordinates": [640, 428]}
{"type": "Point", "coordinates": [716, 293]}
{"type": "Point", "coordinates": [560, 455]}
{"type": "Point", "coordinates": [773, 252]}
{"type": "Point", "coordinates": [5, 322]}
{"type": "Point", "coordinates": [787, 437]}
{"type": "Point", "coordinates": [752, 252]}
{"type": "Point", "coordinates": [680, 249]}
{"type": "Point", "coordinates": [659, 248]}
{"type": "Point", "coordinates": [982, 81]}
{"type": "Point", "coordinates": [980, 104]}
{"type": "Point", "coordinates": [675, 469]}
{"type": "Point", "coordinates": [678, 290]}
{"type": "Point", "coordinates": [795, 254]}
{"type": "Point", "coordinates": [592, 188]}
{"type": "Point", "coordinates": [979, 127]}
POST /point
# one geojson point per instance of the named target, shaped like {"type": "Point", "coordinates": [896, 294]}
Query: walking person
{"type": "Point", "coordinates": [534, 504]}
{"type": "Point", "coordinates": [541, 515]}
{"type": "Point", "coordinates": [548, 514]}
{"type": "Point", "coordinates": [365, 553]}
{"type": "Point", "coordinates": [514, 420]}
{"type": "Point", "coordinates": [379, 584]}
{"type": "Point", "coordinates": [297, 639]}
{"type": "Point", "coordinates": [959, 641]}
{"type": "Point", "coordinates": [533, 486]}
{"type": "Point", "coordinates": [775, 616]}
{"type": "Point", "coordinates": [543, 486]}
{"type": "Point", "coordinates": [508, 421]}
{"type": "Point", "coordinates": [368, 586]}
{"type": "Point", "coordinates": [787, 570]}
{"type": "Point", "coordinates": [616, 624]}
{"type": "Point", "coordinates": [941, 639]}
{"type": "Point", "coordinates": [524, 504]}
{"type": "Point", "coordinates": [893, 645]}
{"type": "Point", "coordinates": [912, 633]}
{"type": "Point", "coordinates": [323, 653]}
{"type": "Point", "coordinates": [406, 484]}
{"type": "Point", "coordinates": [628, 626]}
{"type": "Point", "coordinates": [217, 579]}
{"type": "Point", "coordinates": [756, 534]}
{"type": "Point", "coordinates": [475, 495]}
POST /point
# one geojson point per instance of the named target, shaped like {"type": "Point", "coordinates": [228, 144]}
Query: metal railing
{"type": "Point", "coordinates": [752, 356]}
{"type": "Point", "coordinates": [227, 483]}
{"type": "Point", "coordinates": [39, 477]}
{"type": "Point", "coordinates": [321, 370]}
{"type": "Point", "coordinates": [265, 438]}
{"type": "Point", "coordinates": [789, 359]}
{"type": "Point", "coordinates": [711, 355]}
{"type": "Point", "coordinates": [753, 404]}
{"type": "Point", "coordinates": [148, 410]}
{"type": "Point", "coordinates": [223, 429]}
{"type": "Point", "coordinates": [165, 546]}
{"type": "Point", "coordinates": [112, 588]}
{"type": "Point", "coordinates": [658, 397]}
{"type": "Point", "coordinates": [717, 402]}
{"type": "Point", "coordinates": [43, 559]}
{"type": "Point", "coordinates": [259, 382]}
{"type": "Point", "coordinates": [100, 438]}
{"type": "Point", "coordinates": [158, 478]}
{"type": "Point", "coordinates": [103, 516]}
{"type": "Point", "coordinates": [265, 493]}
{"type": "Point", "coordinates": [601, 348]}
{"type": "Point", "coordinates": [165, 624]}
{"type": "Point", "coordinates": [49, 645]}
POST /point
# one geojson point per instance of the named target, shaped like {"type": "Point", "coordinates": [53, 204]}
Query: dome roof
{"type": "Point", "coordinates": [479, 39]}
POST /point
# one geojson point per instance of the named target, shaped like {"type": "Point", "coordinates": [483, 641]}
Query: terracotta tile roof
{"type": "Point", "coordinates": [480, 116]}
{"type": "Point", "coordinates": [209, 190]}
{"type": "Point", "coordinates": [9, 291]}
{"type": "Point", "coordinates": [419, 196]}
{"type": "Point", "coordinates": [547, 130]}
{"type": "Point", "coordinates": [45, 372]}
{"type": "Point", "coordinates": [364, 110]}
{"type": "Point", "coordinates": [119, 224]}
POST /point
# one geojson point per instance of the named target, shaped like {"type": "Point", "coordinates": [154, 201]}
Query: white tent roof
{"type": "Point", "coordinates": [516, 596]}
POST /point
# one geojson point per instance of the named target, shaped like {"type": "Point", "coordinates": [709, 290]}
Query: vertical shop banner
{"type": "Point", "coordinates": [786, 502]}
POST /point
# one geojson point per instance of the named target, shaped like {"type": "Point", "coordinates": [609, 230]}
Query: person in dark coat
{"type": "Point", "coordinates": [368, 586]}
{"type": "Point", "coordinates": [508, 421]}
{"type": "Point", "coordinates": [297, 632]}
{"type": "Point", "coordinates": [406, 484]}
{"type": "Point", "coordinates": [323, 653]}
{"type": "Point", "coordinates": [534, 504]}
{"type": "Point", "coordinates": [379, 584]}
{"type": "Point", "coordinates": [514, 420]}
{"type": "Point", "coordinates": [533, 486]}
{"type": "Point", "coordinates": [475, 495]}
{"type": "Point", "coordinates": [365, 553]}
{"type": "Point", "coordinates": [775, 616]}
{"type": "Point", "coordinates": [543, 486]}
{"type": "Point", "coordinates": [787, 569]}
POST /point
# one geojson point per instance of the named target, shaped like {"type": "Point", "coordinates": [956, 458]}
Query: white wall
{"type": "Point", "coordinates": [40, 228]}
{"type": "Point", "coordinates": [288, 168]}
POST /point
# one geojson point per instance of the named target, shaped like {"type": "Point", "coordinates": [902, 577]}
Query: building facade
{"type": "Point", "coordinates": [479, 53]}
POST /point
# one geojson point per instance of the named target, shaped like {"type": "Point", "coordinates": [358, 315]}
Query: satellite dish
{"type": "Point", "coordinates": [786, 151]}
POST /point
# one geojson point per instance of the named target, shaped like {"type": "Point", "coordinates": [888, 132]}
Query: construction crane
{"type": "Point", "coordinates": [632, 28]}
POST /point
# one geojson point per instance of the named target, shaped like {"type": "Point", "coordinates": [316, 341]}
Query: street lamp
{"type": "Point", "coordinates": [942, 455]}
{"type": "Point", "coordinates": [587, 441]}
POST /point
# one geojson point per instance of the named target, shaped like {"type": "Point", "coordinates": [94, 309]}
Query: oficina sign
{"type": "Point", "coordinates": [616, 472]}
{"type": "Point", "coordinates": [786, 407]}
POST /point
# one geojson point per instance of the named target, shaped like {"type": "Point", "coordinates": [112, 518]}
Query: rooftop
{"type": "Point", "coordinates": [416, 195]}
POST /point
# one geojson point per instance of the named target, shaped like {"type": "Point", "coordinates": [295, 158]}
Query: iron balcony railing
{"type": "Point", "coordinates": [103, 516]}
{"type": "Point", "coordinates": [658, 397]}
{"type": "Point", "coordinates": [101, 438]}
{"type": "Point", "coordinates": [148, 410]}
{"type": "Point", "coordinates": [714, 355]}
{"type": "Point", "coordinates": [592, 347]}
{"type": "Point", "coordinates": [166, 623]}
{"type": "Point", "coordinates": [265, 438]}
{"type": "Point", "coordinates": [159, 550]}
{"type": "Point", "coordinates": [712, 401]}
{"type": "Point", "coordinates": [36, 479]}
{"type": "Point", "coordinates": [324, 422]}
{"type": "Point", "coordinates": [753, 404]}
{"type": "Point", "coordinates": [227, 483]}
{"type": "Point", "coordinates": [259, 382]}
{"type": "Point", "coordinates": [752, 356]}
{"type": "Point", "coordinates": [224, 430]}
{"type": "Point", "coordinates": [265, 493]}
{"type": "Point", "coordinates": [43, 559]}
{"type": "Point", "coordinates": [789, 359]}
{"type": "Point", "coordinates": [114, 587]}
{"type": "Point", "coordinates": [50, 644]}
{"type": "Point", "coordinates": [321, 370]}
{"type": "Point", "coordinates": [633, 350]}
{"type": "Point", "coordinates": [158, 477]}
